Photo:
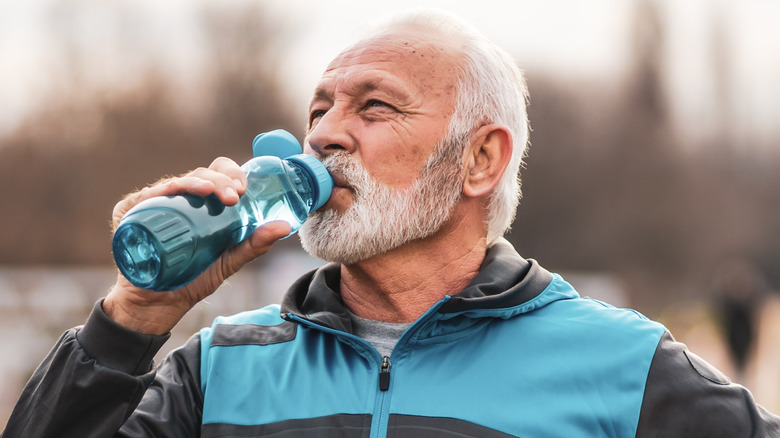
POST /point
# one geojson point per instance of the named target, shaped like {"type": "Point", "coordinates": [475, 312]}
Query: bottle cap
{"type": "Point", "coordinates": [277, 143]}
{"type": "Point", "coordinates": [319, 176]}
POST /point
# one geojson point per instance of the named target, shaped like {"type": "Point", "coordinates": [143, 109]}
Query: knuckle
{"type": "Point", "coordinates": [221, 161]}
{"type": "Point", "coordinates": [198, 171]}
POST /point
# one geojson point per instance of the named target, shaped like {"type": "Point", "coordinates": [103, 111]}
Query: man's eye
{"type": "Point", "coordinates": [315, 115]}
{"type": "Point", "coordinates": [373, 103]}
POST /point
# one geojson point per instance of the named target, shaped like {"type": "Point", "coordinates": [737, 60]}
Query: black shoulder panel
{"type": "Point", "coordinates": [226, 335]}
{"type": "Point", "coordinates": [687, 397]}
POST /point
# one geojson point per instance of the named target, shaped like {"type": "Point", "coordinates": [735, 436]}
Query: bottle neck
{"type": "Point", "coordinates": [303, 182]}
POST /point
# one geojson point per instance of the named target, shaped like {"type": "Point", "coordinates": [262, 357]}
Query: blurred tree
{"type": "Point", "coordinates": [69, 163]}
{"type": "Point", "coordinates": [609, 185]}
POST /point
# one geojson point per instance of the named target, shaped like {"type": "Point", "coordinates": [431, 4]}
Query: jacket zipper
{"type": "Point", "coordinates": [381, 405]}
{"type": "Point", "coordinates": [384, 368]}
{"type": "Point", "coordinates": [384, 374]}
{"type": "Point", "coordinates": [381, 416]}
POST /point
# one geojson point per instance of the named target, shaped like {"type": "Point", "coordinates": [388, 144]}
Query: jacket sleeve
{"type": "Point", "coordinates": [686, 396]}
{"type": "Point", "coordinates": [92, 381]}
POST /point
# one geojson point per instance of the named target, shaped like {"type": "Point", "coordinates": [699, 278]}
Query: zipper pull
{"type": "Point", "coordinates": [384, 374]}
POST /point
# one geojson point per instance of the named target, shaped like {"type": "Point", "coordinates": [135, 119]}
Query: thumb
{"type": "Point", "coordinates": [257, 244]}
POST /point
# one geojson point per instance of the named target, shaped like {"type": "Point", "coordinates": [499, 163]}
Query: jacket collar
{"type": "Point", "coordinates": [505, 281]}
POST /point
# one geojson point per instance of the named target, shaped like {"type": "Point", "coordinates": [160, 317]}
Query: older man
{"type": "Point", "coordinates": [426, 324]}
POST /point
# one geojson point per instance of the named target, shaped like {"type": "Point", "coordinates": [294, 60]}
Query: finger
{"type": "Point", "coordinates": [232, 170]}
{"type": "Point", "coordinates": [226, 180]}
{"type": "Point", "coordinates": [169, 186]}
{"type": "Point", "coordinates": [226, 187]}
{"type": "Point", "coordinates": [257, 244]}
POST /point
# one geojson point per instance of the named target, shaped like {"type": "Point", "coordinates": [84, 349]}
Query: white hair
{"type": "Point", "coordinates": [491, 89]}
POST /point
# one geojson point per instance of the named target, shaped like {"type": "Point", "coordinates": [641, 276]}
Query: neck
{"type": "Point", "coordinates": [402, 284]}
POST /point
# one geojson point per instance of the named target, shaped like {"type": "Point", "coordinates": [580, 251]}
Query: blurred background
{"type": "Point", "coordinates": [653, 179]}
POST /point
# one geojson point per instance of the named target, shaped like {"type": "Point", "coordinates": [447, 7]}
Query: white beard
{"type": "Point", "coordinates": [382, 218]}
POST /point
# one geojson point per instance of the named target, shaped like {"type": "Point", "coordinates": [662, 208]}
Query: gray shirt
{"type": "Point", "coordinates": [382, 335]}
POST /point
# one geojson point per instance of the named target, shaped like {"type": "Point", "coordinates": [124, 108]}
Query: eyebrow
{"type": "Point", "coordinates": [322, 93]}
{"type": "Point", "coordinates": [388, 87]}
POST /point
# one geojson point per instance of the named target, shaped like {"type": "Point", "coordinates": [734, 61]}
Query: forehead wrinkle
{"type": "Point", "coordinates": [377, 81]}
{"type": "Point", "coordinates": [362, 83]}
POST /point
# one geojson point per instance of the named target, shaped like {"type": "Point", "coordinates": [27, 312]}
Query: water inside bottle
{"type": "Point", "coordinates": [270, 198]}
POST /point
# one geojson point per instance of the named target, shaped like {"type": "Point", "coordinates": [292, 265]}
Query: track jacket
{"type": "Point", "coordinates": [517, 353]}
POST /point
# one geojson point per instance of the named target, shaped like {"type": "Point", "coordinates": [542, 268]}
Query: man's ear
{"type": "Point", "coordinates": [487, 158]}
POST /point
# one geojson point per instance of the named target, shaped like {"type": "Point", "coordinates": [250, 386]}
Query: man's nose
{"type": "Point", "coordinates": [331, 134]}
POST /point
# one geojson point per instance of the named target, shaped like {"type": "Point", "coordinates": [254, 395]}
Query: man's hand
{"type": "Point", "coordinates": [158, 312]}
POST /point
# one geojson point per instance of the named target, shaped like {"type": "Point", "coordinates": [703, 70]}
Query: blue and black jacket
{"type": "Point", "coordinates": [517, 353]}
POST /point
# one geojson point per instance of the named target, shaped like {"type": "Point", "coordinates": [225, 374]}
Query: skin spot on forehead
{"type": "Point", "coordinates": [403, 42]}
{"type": "Point", "coordinates": [428, 60]}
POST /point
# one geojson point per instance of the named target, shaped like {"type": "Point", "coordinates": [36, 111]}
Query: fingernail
{"type": "Point", "coordinates": [230, 192]}
{"type": "Point", "coordinates": [238, 183]}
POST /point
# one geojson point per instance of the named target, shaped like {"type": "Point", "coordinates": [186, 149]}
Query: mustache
{"type": "Point", "coordinates": [347, 171]}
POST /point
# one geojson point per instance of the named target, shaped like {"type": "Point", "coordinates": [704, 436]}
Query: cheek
{"type": "Point", "coordinates": [396, 156]}
{"type": "Point", "coordinates": [397, 170]}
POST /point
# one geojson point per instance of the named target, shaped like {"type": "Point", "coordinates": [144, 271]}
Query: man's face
{"type": "Point", "coordinates": [379, 113]}
{"type": "Point", "coordinates": [386, 101]}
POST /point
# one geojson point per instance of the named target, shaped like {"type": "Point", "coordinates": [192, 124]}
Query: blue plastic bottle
{"type": "Point", "coordinates": [163, 243]}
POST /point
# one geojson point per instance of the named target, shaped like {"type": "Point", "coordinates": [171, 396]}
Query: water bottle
{"type": "Point", "coordinates": [163, 243]}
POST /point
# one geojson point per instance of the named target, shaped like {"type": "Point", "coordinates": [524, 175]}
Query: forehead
{"type": "Point", "coordinates": [418, 61]}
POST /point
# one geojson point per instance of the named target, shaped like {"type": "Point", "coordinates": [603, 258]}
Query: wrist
{"type": "Point", "coordinates": [146, 312]}
{"type": "Point", "coordinates": [117, 347]}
